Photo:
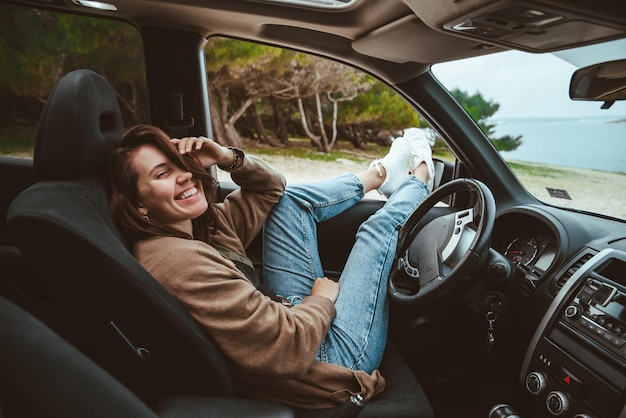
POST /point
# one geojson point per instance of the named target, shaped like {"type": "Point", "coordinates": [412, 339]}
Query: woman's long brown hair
{"type": "Point", "coordinates": [124, 193]}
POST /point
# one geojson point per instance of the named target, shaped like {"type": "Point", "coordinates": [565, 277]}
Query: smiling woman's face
{"type": "Point", "coordinates": [167, 194]}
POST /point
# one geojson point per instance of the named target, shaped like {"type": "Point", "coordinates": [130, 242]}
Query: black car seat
{"type": "Point", "coordinates": [126, 321]}
{"type": "Point", "coordinates": [42, 375]}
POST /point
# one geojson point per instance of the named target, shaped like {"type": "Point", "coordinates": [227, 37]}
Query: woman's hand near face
{"type": "Point", "coordinates": [326, 287]}
{"type": "Point", "coordinates": [208, 152]}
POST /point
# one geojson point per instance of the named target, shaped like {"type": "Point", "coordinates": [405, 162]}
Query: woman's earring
{"type": "Point", "coordinates": [146, 217]}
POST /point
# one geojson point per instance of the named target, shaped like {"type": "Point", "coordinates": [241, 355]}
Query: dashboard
{"type": "Point", "coordinates": [575, 361]}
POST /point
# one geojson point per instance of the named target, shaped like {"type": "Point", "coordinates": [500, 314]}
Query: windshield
{"type": "Point", "coordinates": [566, 153]}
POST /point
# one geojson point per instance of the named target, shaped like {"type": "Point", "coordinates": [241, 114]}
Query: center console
{"type": "Point", "coordinates": [576, 363]}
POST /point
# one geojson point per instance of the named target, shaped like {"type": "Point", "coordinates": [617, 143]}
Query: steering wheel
{"type": "Point", "coordinates": [433, 258]}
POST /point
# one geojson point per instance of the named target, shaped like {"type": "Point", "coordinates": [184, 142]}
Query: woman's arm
{"type": "Point", "coordinates": [253, 331]}
{"type": "Point", "coordinates": [207, 151]}
{"type": "Point", "coordinates": [243, 212]}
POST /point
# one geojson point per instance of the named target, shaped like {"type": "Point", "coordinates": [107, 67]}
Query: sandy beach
{"type": "Point", "coordinates": [591, 190]}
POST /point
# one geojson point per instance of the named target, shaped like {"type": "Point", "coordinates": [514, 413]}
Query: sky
{"type": "Point", "coordinates": [525, 87]}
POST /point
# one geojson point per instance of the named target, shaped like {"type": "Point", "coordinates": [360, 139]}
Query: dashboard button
{"type": "Point", "coordinates": [617, 342]}
{"type": "Point", "coordinates": [572, 312]}
{"type": "Point", "coordinates": [570, 380]}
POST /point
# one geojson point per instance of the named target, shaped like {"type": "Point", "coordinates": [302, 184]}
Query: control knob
{"type": "Point", "coordinates": [572, 312]}
{"type": "Point", "coordinates": [557, 402]}
{"type": "Point", "coordinates": [536, 382]}
{"type": "Point", "coordinates": [502, 411]}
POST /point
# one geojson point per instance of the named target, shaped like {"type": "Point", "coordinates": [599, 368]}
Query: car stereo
{"type": "Point", "coordinates": [576, 362]}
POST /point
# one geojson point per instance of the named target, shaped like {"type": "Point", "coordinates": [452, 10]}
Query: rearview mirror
{"type": "Point", "coordinates": [600, 82]}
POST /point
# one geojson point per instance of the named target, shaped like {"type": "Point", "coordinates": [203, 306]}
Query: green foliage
{"type": "Point", "coordinates": [38, 47]}
{"type": "Point", "coordinates": [240, 70]}
{"type": "Point", "coordinates": [31, 51]}
{"type": "Point", "coordinates": [538, 170]}
{"type": "Point", "coordinates": [507, 142]}
{"type": "Point", "coordinates": [481, 110]}
{"type": "Point", "coordinates": [233, 63]}
{"type": "Point", "coordinates": [382, 107]}
{"type": "Point", "coordinates": [106, 46]}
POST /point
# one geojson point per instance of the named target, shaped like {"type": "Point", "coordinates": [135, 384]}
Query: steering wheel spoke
{"type": "Point", "coordinates": [460, 221]}
{"type": "Point", "coordinates": [433, 257]}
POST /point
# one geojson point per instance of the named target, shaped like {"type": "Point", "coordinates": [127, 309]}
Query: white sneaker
{"type": "Point", "coordinates": [396, 164]}
{"type": "Point", "coordinates": [420, 152]}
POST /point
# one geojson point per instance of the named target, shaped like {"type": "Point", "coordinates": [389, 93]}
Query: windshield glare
{"type": "Point", "coordinates": [566, 153]}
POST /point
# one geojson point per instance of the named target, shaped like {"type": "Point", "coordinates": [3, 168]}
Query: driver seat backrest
{"type": "Point", "coordinates": [125, 320]}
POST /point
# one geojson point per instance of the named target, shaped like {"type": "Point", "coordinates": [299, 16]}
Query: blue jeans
{"type": "Point", "coordinates": [358, 333]}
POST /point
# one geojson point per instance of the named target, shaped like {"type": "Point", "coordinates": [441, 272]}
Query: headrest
{"type": "Point", "coordinates": [78, 125]}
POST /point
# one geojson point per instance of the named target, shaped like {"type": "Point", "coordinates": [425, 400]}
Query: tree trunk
{"type": "Point", "coordinates": [219, 135]}
{"type": "Point", "coordinates": [315, 140]}
{"type": "Point", "coordinates": [246, 126]}
{"type": "Point", "coordinates": [279, 121]}
{"type": "Point", "coordinates": [333, 138]}
{"type": "Point", "coordinates": [320, 119]}
{"type": "Point", "coordinates": [231, 137]}
{"type": "Point", "coordinates": [258, 125]}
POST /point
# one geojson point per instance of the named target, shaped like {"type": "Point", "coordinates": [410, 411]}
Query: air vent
{"type": "Point", "coordinates": [559, 281]}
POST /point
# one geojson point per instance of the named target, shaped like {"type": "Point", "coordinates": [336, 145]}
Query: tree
{"type": "Point", "coordinates": [112, 49]}
{"type": "Point", "coordinates": [481, 110]}
{"type": "Point", "coordinates": [377, 115]}
{"type": "Point", "coordinates": [38, 47]}
{"type": "Point", "coordinates": [292, 93]}
{"type": "Point", "coordinates": [321, 85]}
{"type": "Point", "coordinates": [240, 74]}
{"type": "Point", "coordinates": [31, 56]}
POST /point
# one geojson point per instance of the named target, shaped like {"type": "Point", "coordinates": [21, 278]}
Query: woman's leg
{"type": "Point", "coordinates": [291, 259]}
{"type": "Point", "coordinates": [358, 334]}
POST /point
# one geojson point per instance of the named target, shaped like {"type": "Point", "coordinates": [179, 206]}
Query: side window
{"type": "Point", "coordinates": [38, 47]}
{"type": "Point", "coordinates": [295, 109]}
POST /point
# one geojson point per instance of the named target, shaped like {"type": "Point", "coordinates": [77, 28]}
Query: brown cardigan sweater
{"type": "Point", "coordinates": [271, 347]}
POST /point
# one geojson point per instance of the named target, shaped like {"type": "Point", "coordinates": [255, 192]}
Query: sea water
{"type": "Point", "coordinates": [592, 143]}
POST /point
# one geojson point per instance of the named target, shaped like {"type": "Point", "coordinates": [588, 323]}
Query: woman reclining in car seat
{"type": "Point", "coordinates": [298, 338]}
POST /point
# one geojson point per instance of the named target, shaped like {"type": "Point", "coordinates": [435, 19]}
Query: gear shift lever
{"type": "Point", "coordinates": [502, 411]}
